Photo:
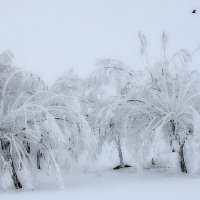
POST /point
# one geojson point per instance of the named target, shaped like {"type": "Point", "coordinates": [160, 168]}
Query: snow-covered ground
{"type": "Point", "coordinates": [118, 185]}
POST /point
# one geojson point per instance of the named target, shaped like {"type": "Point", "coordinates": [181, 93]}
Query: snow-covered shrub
{"type": "Point", "coordinates": [168, 105]}
{"type": "Point", "coordinates": [42, 129]}
{"type": "Point", "coordinates": [36, 124]}
{"type": "Point", "coordinates": [163, 105]}
{"type": "Point", "coordinates": [109, 83]}
{"type": "Point", "coordinates": [75, 88]}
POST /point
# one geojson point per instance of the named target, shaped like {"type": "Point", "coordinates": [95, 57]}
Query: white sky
{"type": "Point", "coordinates": [49, 37]}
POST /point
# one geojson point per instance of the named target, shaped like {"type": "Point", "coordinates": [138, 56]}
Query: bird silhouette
{"type": "Point", "coordinates": [194, 11]}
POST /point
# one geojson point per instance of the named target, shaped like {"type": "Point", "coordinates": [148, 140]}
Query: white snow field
{"type": "Point", "coordinates": [117, 185]}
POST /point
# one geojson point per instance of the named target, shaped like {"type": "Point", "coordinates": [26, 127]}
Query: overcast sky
{"type": "Point", "coordinates": [49, 37]}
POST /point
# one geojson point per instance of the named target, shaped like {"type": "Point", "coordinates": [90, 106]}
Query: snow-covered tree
{"type": "Point", "coordinates": [110, 127]}
{"type": "Point", "coordinates": [75, 88]}
{"type": "Point", "coordinates": [164, 104]}
{"type": "Point", "coordinates": [34, 119]}
{"type": "Point", "coordinates": [44, 129]}
{"type": "Point", "coordinates": [109, 83]}
{"type": "Point", "coordinates": [169, 104]}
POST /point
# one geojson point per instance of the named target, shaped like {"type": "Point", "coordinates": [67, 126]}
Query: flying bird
{"type": "Point", "coordinates": [194, 11]}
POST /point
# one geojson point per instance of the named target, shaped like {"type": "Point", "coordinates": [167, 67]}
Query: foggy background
{"type": "Point", "coordinates": [48, 37]}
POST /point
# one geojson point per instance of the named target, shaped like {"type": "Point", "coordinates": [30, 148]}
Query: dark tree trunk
{"type": "Point", "coordinates": [5, 145]}
{"type": "Point", "coordinates": [172, 146]}
{"type": "Point", "coordinates": [121, 159]}
{"type": "Point", "coordinates": [173, 126]}
{"type": "Point", "coordinates": [27, 146]}
{"type": "Point", "coordinates": [153, 163]}
{"type": "Point", "coordinates": [39, 155]}
{"type": "Point", "coordinates": [175, 137]}
{"type": "Point", "coordinates": [14, 176]}
{"type": "Point", "coordinates": [181, 158]}
{"type": "Point", "coordinates": [38, 159]}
